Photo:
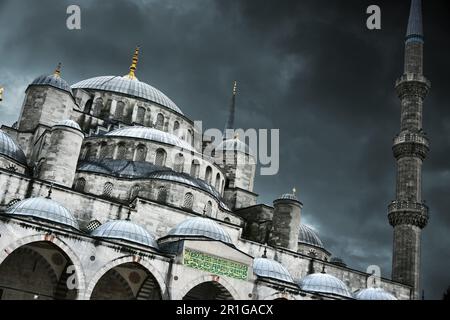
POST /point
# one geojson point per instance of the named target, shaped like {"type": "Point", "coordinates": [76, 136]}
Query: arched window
{"type": "Point", "coordinates": [162, 194]}
{"type": "Point", "coordinates": [140, 116]}
{"type": "Point", "coordinates": [179, 163]}
{"type": "Point", "coordinates": [188, 201]}
{"type": "Point", "coordinates": [121, 151]}
{"type": "Point", "coordinates": [223, 185]}
{"type": "Point", "coordinates": [120, 106]}
{"type": "Point", "coordinates": [217, 184]}
{"type": "Point", "coordinates": [88, 106]}
{"type": "Point", "coordinates": [103, 150]}
{"type": "Point", "coordinates": [91, 226]}
{"type": "Point", "coordinates": [176, 128]}
{"type": "Point", "coordinates": [107, 189]}
{"type": "Point", "coordinates": [208, 175]}
{"type": "Point", "coordinates": [195, 168]}
{"type": "Point", "coordinates": [80, 185]}
{"type": "Point", "coordinates": [208, 208]}
{"type": "Point", "coordinates": [160, 158]}
{"type": "Point", "coordinates": [98, 106]}
{"type": "Point", "coordinates": [141, 153]}
{"type": "Point", "coordinates": [227, 219]}
{"type": "Point", "coordinates": [87, 151]}
{"type": "Point", "coordinates": [134, 192]}
{"type": "Point", "coordinates": [190, 137]}
{"type": "Point", "coordinates": [160, 121]}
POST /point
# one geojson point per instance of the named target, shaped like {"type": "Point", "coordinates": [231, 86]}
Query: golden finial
{"type": "Point", "coordinates": [134, 62]}
{"type": "Point", "coordinates": [234, 88]}
{"type": "Point", "coordinates": [58, 70]}
{"type": "Point", "coordinates": [1, 93]}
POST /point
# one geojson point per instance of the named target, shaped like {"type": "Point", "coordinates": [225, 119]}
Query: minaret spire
{"type": "Point", "coordinates": [230, 122]}
{"type": "Point", "coordinates": [131, 74]}
{"type": "Point", "coordinates": [408, 214]}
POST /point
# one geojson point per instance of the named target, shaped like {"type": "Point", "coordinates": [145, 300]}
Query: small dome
{"type": "Point", "coordinates": [128, 86]}
{"type": "Point", "coordinates": [233, 145]}
{"type": "Point", "coordinates": [125, 230]}
{"type": "Point", "coordinates": [201, 227]}
{"type": "Point", "coordinates": [324, 283]}
{"type": "Point", "coordinates": [69, 123]}
{"type": "Point", "coordinates": [52, 80]}
{"type": "Point", "coordinates": [152, 135]}
{"type": "Point", "coordinates": [374, 294]}
{"type": "Point", "coordinates": [308, 236]}
{"type": "Point", "coordinates": [10, 149]}
{"type": "Point", "coordinates": [44, 209]}
{"type": "Point", "coordinates": [267, 268]}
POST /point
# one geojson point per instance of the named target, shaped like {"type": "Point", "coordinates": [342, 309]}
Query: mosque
{"type": "Point", "coordinates": [106, 193]}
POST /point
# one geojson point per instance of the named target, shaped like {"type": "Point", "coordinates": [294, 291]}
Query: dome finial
{"type": "Point", "coordinates": [134, 62]}
{"type": "Point", "coordinates": [234, 88]}
{"type": "Point", "coordinates": [58, 70]}
{"type": "Point", "coordinates": [1, 93]}
{"type": "Point", "coordinates": [50, 190]}
{"type": "Point", "coordinates": [265, 251]}
{"type": "Point", "coordinates": [323, 269]}
{"type": "Point", "coordinates": [294, 191]}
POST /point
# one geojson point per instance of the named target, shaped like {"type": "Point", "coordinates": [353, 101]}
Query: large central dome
{"type": "Point", "coordinates": [131, 87]}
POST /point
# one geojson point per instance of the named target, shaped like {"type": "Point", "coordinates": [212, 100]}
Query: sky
{"type": "Point", "coordinates": [310, 68]}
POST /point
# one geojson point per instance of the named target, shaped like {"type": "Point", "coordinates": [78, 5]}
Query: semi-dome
{"type": "Point", "coordinates": [308, 236]}
{"type": "Point", "coordinates": [150, 134]}
{"type": "Point", "coordinates": [202, 227]}
{"type": "Point", "coordinates": [233, 145]}
{"type": "Point", "coordinates": [10, 149]}
{"type": "Point", "coordinates": [267, 268]}
{"type": "Point", "coordinates": [129, 86]}
{"type": "Point", "coordinates": [69, 123]}
{"type": "Point", "coordinates": [127, 231]}
{"type": "Point", "coordinates": [324, 283]}
{"type": "Point", "coordinates": [44, 209]}
{"type": "Point", "coordinates": [374, 294]}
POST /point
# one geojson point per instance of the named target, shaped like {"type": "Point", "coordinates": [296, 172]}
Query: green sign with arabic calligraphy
{"type": "Point", "coordinates": [215, 265]}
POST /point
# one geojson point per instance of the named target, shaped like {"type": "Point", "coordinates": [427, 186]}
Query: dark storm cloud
{"type": "Point", "coordinates": [310, 68]}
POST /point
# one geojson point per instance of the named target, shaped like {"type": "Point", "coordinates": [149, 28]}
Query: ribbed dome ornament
{"type": "Point", "coordinates": [131, 75]}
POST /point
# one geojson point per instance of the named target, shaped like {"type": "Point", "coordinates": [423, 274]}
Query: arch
{"type": "Point", "coordinates": [87, 151]}
{"type": "Point", "coordinates": [107, 189]}
{"type": "Point", "coordinates": [98, 106]}
{"type": "Point", "coordinates": [195, 168]}
{"type": "Point", "coordinates": [140, 115]}
{"type": "Point", "coordinates": [159, 122]}
{"type": "Point", "coordinates": [121, 151]}
{"type": "Point", "coordinates": [92, 225]}
{"type": "Point", "coordinates": [59, 244]}
{"type": "Point", "coordinates": [176, 128]}
{"type": "Point", "coordinates": [141, 153]}
{"type": "Point", "coordinates": [120, 107]}
{"type": "Point", "coordinates": [103, 150]}
{"type": "Point", "coordinates": [208, 174]}
{"type": "Point", "coordinates": [190, 137]}
{"type": "Point", "coordinates": [208, 208]}
{"type": "Point", "coordinates": [160, 157]}
{"type": "Point", "coordinates": [179, 163]}
{"type": "Point", "coordinates": [134, 191]}
{"type": "Point", "coordinates": [80, 185]}
{"type": "Point", "coordinates": [217, 183]}
{"type": "Point", "coordinates": [121, 261]}
{"type": "Point", "coordinates": [222, 186]}
{"type": "Point", "coordinates": [188, 201]}
{"type": "Point", "coordinates": [88, 106]}
{"type": "Point", "coordinates": [162, 194]}
{"type": "Point", "coordinates": [206, 279]}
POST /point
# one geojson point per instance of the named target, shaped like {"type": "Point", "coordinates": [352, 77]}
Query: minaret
{"type": "Point", "coordinates": [230, 123]}
{"type": "Point", "coordinates": [408, 214]}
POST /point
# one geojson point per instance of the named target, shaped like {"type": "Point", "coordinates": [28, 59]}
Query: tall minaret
{"type": "Point", "coordinates": [408, 214]}
{"type": "Point", "coordinates": [230, 123]}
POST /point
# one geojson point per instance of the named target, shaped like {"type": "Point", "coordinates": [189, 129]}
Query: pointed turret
{"type": "Point", "coordinates": [230, 122]}
{"type": "Point", "coordinates": [415, 25]}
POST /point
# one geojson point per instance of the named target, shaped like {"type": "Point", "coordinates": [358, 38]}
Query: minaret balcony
{"type": "Point", "coordinates": [410, 144]}
{"type": "Point", "coordinates": [411, 84]}
{"type": "Point", "coordinates": [409, 213]}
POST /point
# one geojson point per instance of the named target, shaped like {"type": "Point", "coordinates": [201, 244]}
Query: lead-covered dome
{"type": "Point", "coordinates": [129, 86]}
{"type": "Point", "coordinates": [267, 268]}
{"type": "Point", "coordinates": [44, 209]}
{"type": "Point", "coordinates": [374, 294]}
{"type": "Point", "coordinates": [10, 149]}
{"type": "Point", "coordinates": [324, 283]}
{"type": "Point", "coordinates": [202, 227]}
{"type": "Point", "coordinates": [68, 123]}
{"type": "Point", "coordinates": [152, 135]}
{"type": "Point", "coordinates": [126, 231]}
{"type": "Point", "coordinates": [308, 236]}
{"type": "Point", "coordinates": [53, 80]}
